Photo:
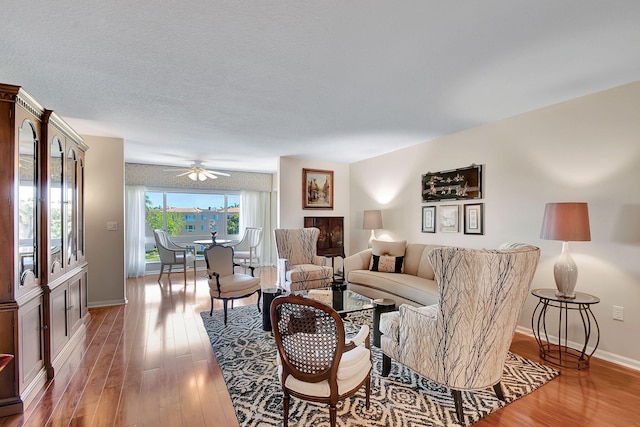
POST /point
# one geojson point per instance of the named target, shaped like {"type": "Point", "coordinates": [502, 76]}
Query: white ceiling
{"type": "Point", "coordinates": [238, 84]}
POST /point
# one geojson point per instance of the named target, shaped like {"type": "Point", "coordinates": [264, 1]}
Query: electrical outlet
{"type": "Point", "coordinates": [618, 312]}
{"type": "Point", "coordinates": [112, 226]}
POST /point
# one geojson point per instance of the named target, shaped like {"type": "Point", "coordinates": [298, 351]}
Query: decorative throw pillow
{"type": "Point", "coordinates": [387, 264]}
{"type": "Point", "coordinates": [387, 256]}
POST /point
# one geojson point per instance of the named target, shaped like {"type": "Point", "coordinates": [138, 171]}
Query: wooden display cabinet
{"type": "Point", "coordinates": [31, 231]}
{"type": "Point", "coordinates": [331, 238]}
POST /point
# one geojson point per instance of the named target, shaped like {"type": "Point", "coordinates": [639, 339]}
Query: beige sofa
{"type": "Point", "coordinates": [415, 285]}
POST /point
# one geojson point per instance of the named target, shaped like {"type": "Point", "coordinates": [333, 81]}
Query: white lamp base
{"type": "Point", "coordinates": [373, 236]}
{"type": "Point", "coordinates": [565, 271]}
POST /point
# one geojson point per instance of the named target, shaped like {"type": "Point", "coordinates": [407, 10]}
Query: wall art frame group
{"type": "Point", "coordinates": [317, 189]}
{"type": "Point", "coordinates": [446, 218]}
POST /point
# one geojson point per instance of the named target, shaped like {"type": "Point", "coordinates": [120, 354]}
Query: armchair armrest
{"type": "Point", "coordinates": [358, 261]}
{"type": "Point", "coordinates": [320, 260]}
{"type": "Point", "coordinates": [359, 338]}
{"type": "Point", "coordinates": [281, 264]}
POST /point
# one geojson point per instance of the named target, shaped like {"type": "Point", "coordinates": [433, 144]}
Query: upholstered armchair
{"type": "Point", "coordinates": [315, 360]}
{"type": "Point", "coordinates": [299, 267]}
{"type": "Point", "coordinates": [462, 342]}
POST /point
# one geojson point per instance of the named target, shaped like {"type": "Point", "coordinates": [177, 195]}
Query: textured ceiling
{"type": "Point", "coordinates": [238, 84]}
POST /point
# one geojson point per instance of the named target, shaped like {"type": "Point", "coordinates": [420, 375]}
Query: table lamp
{"type": "Point", "coordinates": [568, 222]}
{"type": "Point", "coordinates": [372, 220]}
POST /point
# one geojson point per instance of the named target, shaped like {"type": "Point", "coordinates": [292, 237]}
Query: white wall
{"type": "Point", "coordinates": [289, 182]}
{"type": "Point", "coordinates": [587, 149]}
{"type": "Point", "coordinates": [104, 202]}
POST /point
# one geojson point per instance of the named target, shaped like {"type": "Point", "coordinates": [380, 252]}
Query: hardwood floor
{"type": "Point", "coordinates": [150, 363]}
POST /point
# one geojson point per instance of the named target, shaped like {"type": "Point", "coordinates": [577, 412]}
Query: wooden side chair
{"type": "Point", "coordinates": [224, 283]}
{"type": "Point", "coordinates": [315, 361]}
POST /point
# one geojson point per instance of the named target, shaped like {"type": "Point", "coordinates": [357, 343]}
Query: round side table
{"type": "Point", "coordinates": [560, 354]}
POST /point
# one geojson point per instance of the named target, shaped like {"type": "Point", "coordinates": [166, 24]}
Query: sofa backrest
{"type": "Point", "coordinates": [416, 261]}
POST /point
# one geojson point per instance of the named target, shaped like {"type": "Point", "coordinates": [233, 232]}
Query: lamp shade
{"type": "Point", "coordinates": [372, 220]}
{"type": "Point", "coordinates": [568, 221]}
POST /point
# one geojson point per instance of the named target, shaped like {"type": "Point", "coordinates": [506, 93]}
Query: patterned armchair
{"type": "Point", "coordinates": [298, 265]}
{"type": "Point", "coordinates": [462, 342]}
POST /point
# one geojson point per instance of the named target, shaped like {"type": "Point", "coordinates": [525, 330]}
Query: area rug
{"type": "Point", "coordinates": [246, 355]}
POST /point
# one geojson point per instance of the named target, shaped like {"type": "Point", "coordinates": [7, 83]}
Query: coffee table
{"type": "Point", "coordinates": [346, 301]}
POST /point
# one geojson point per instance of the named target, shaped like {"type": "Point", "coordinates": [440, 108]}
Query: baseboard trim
{"type": "Point", "coordinates": [600, 354]}
{"type": "Point", "coordinates": [108, 303]}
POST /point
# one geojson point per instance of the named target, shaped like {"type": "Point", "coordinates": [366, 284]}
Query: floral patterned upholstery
{"type": "Point", "coordinates": [299, 267]}
{"type": "Point", "coordinates": [462, 342]}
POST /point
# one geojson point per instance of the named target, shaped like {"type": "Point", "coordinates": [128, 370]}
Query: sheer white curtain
{"type": "Point", "coordinates": [134, 230]}
{"type": "Point", "coordinates": [256, 212]}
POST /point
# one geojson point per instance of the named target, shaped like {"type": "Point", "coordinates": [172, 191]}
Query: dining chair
{"type": "Point", "coordinates": [172, 254]}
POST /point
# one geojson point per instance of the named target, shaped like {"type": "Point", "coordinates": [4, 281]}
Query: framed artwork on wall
{"type": "Point", "coordinates": [455, 184]}
{"type": "Point", "coordinates": [317, 189]}
{"type": "Point", "coordinates": [449, 218]}
{"type": "Point", "coordinates": [428, 219]}
{"type": "Point", "coordinates": [473, 218]}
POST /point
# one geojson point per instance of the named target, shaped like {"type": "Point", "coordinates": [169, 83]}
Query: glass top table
{"type": "Point", "coordinates": [343, 301]}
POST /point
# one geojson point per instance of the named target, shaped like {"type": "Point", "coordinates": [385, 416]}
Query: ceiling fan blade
{"type": "Point", "coordinates": [218, 173]}
{"type": "Point", "coordinates": [209, 175]}
{"type": "Point", "coordinates": [174, 169]}
{"type": "Point", "coordinates": [184, 173]}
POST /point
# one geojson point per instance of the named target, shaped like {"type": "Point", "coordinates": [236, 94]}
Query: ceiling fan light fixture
{"type": "Point", "coordinates": [193, 176]}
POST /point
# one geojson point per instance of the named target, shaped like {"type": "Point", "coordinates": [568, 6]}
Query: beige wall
{"type": "Point", "coordinates": [104, 202]}
{"type": "Point", "coordinates": [587, 149]}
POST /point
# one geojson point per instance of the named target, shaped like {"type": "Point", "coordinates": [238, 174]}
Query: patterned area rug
{"type": "Point", "coordinates": [247, 357]}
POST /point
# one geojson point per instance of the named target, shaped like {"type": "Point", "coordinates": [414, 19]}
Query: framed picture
{"type": "Point", "coordinates": [455, 184]}
{"type": "Point", "coordinates": [473, 218]}
{"type": "Point", "coordinates": [428, 219]}
{"type": "Point", "coordinates": [449, 219]}
{"type": "Point", "coordinates": [317, 189]}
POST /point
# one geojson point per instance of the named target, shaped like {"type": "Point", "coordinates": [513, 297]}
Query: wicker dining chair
{"type": "Point", "coordinates": [315, 361]}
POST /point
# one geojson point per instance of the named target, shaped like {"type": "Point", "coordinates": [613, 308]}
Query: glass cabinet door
{"type": "Point", "coordinates": [27, 204]}
{"type": "Point", "coordinates": [80, 198]}
{"type": "Point", "coordinates": [56, 162]}
{"type": "Point", "coordinates": [70, 204]}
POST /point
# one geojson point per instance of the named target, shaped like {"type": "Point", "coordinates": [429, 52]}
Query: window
{"type": "Point", "coordinates": [188, 216]}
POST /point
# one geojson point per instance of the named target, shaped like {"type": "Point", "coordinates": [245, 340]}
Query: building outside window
{"type": "Point", "coordinates": [186, 217]}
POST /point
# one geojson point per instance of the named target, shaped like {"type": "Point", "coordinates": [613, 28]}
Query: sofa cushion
{"type": "Point", "coordinates": [381, 247]}
{"type": "Point", "coordinates": [387, 264]}
{"type": "Point", "coordinates": [407, 286]}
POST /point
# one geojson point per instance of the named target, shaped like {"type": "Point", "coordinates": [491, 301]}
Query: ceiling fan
{"type": "Point", "coordinates": [197, 172]}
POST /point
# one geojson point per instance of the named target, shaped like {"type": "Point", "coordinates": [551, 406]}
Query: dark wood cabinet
{"type": "Point", "coordinates": [331, 240]}
{"type": "Point", "coordinates": [41, 245]}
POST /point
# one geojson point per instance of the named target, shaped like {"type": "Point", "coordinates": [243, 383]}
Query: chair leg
{"type": "Point", "coordinates": [161, 271]}
{"type": "Point", "coordinates": [285, 411]}
{"type": "Point", "coordinates": [224, 303]}
{"type": "Point", "coordinates": [259, 298]}
{"type": "Point", "coordinates": [211, 312]}
{"type": "Point", "coordinates": [184, 270]}
{"type": "Point", "coordinates": [498, 389]}
{"type": "Point", "coordinates": [367, 388]}
{"type": "Point", "coordinates": [386, 365]}
{"type": "Point", "coordinates": [457, 399]}
{"type": "Point", "coordinates": [332, 415]}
